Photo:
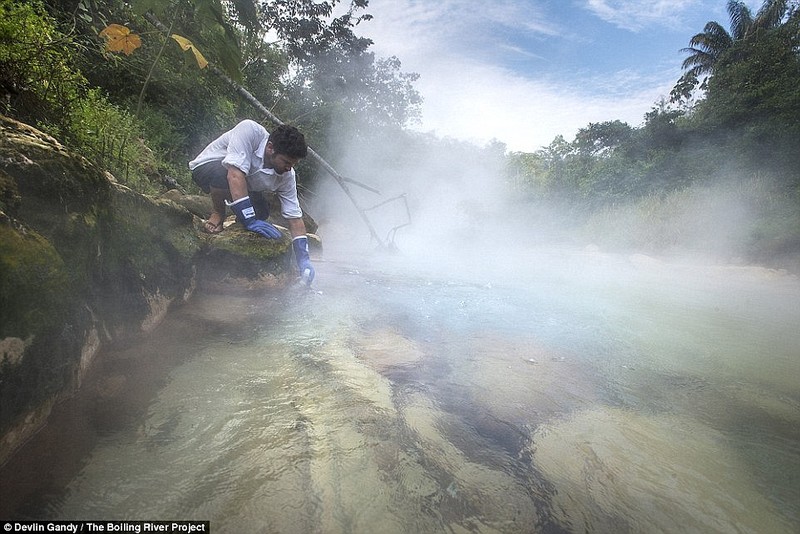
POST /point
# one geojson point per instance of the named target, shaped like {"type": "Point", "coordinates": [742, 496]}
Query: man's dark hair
{"type": "Point", "coordinates": [288, 140]}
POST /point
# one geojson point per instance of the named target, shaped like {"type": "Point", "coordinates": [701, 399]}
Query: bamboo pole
{"type": "Point", "coordinates": [253, 101]}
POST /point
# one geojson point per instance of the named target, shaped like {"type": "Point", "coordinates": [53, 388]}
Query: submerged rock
{"type": "Point", "coordinates": [600, 462]}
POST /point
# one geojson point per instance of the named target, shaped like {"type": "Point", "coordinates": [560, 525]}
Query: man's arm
{"type": "Point", "coordinates": [237, 182]}
{"type": "Point", "coordinates": [296, 227]}
{"type": "Point", "coordinates": [242, 206]}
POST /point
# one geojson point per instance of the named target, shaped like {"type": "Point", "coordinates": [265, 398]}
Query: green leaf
{"type": "Point", "coordinates": [141, 7]}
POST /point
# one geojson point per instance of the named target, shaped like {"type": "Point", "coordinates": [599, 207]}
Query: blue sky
{"type": "Point", "coordinates": [524, 71]}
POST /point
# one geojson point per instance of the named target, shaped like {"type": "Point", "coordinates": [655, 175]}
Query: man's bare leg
{"type": "Point", "coordinates": [217, 217]}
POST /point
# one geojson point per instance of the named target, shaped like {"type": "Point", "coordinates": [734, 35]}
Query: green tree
{"type": "Point", "coordinates": [336, 82]}
{"type": "Point", "coordinates": [214, 26]}
{"type": "Point", "coordinates": [602, 139]}
{"type": "Point", "coordinates": [753, 104]}
{"type": "Point", "coordinates": [707, 47]}
{"type": "Point", "coordinates": [38, 82]}
{"type": "Point", "coordinates": [301, 58]}
{"type": "Point", "coordinates": [527, 173]}
{"type": "Point", "coordinates": [307, 28]}
{"type": "Point", "coordinates": [556, 158]}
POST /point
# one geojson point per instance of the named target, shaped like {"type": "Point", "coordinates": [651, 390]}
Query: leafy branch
{"type": "Point", "coordinates": [120, 39]}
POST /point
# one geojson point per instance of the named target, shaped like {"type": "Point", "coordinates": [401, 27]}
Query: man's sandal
{"type": "Point", "coordinates": [211, 228]}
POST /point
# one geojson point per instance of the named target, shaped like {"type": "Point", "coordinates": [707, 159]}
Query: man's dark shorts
{"type": "Point", "coordinates": [215, 174]}
{"type": "Point", "coordinates": [211, 174]}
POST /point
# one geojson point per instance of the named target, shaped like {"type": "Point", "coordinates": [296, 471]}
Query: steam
{"type": "Point", "coordinates": [463, 215]}
{"type": "Point", "coordinates": [455, 193]}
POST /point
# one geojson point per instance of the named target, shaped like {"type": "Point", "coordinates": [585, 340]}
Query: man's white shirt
{"type": "Point", "coordinates": [243, 148]}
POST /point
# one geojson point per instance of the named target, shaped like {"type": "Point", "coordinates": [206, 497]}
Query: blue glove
{"type": "Point", "coordinates": [300, 246]}
{"type": "Point", "coordinates": [246, 215]}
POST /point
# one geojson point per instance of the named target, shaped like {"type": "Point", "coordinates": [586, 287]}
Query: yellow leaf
{"type": "Point", "coordinates": [186, 44]}
{"type": "Point", "coordinates": [120, 39]}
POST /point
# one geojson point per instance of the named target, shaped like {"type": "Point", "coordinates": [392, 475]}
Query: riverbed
{"type": "Point", "coordinates": [581, 392]}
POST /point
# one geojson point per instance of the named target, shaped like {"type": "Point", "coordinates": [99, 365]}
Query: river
{"type": "Point", "coordinates": [585, 392]}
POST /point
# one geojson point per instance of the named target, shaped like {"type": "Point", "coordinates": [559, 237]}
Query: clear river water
{"type": "Point", "coordinates": [585, 392]}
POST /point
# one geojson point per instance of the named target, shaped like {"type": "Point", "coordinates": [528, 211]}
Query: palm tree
{"type": "Point", "coordinates": [706, 47]}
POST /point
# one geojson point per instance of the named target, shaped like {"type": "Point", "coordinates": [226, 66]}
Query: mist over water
{"type": "Point", "coordinates": [693, 355]}
{"type": "Point", "coordinates": [593, 392]}
{"type": "Point", "coordinates": [481, 376]}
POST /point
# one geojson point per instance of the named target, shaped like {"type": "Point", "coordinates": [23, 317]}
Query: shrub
{"type": "Point", "coordinates": [110, 137]}
{"type": "Point", "coordinates": [37, 83]}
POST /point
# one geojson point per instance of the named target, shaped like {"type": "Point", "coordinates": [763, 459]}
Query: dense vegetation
{"type": "Point", "coordinates": [144, 113]}
{"type": "Point", "coordinates": [730, 132]}
{"type": "Point", "coordinates": [727, 141]}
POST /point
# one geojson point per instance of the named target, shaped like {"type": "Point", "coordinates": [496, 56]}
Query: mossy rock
{"type": "Point", "coordinates": [45, 173]}
{"type": "Point", "coordinates": [9, 195]}
{"type": "Point", "coordinates": [200, 205]}
{"type": "Point", "coordinates": [84, 261]}
{"type": "Point", "coordinates": [146, 247]}
{"type": "Point", "coordinates": [34, 288]}
{"type": "Point", "coordinates": [238, 259]}
{"type": "Point", "coordinates": [42, 323]}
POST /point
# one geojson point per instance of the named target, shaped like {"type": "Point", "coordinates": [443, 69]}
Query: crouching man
{"type": "Point", "coordinates": [242, 163]}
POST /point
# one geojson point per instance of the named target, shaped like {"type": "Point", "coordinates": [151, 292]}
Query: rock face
{"type": "Point", "coordinates": [86, 262]}
{"type": "Point", "coordinates": [238, 260]}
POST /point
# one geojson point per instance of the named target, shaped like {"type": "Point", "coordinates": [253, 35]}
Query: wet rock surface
{"type": "Point", "coordinates": [86, 262]}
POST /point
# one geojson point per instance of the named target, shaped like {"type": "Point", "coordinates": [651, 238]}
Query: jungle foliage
{"type": "Point", "coordinates": [142, 109]}
{"type": "Point", "coordinates": [733, 120]}
{"type": "Point", "coordinates": [743, 118]}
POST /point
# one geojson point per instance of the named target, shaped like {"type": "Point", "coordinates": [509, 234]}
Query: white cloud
{"type": "Point", "coordinates": [411, 26]}
{"type": "Point", "coordinates": [469, 96]}
{"type": "Point", "coordinates": [635, 15]}
{"type": "Point", "coordinates": [480, 102]}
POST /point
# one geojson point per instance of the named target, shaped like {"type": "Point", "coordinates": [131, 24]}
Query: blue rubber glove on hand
{"type": "Point", "coordinates": [246, 215]}
{"type": "Point", "coordinates": [300, 246]}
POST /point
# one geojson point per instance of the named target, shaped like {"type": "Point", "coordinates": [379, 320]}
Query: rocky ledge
{"type": "Point", "coordinates": [86, 262]}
